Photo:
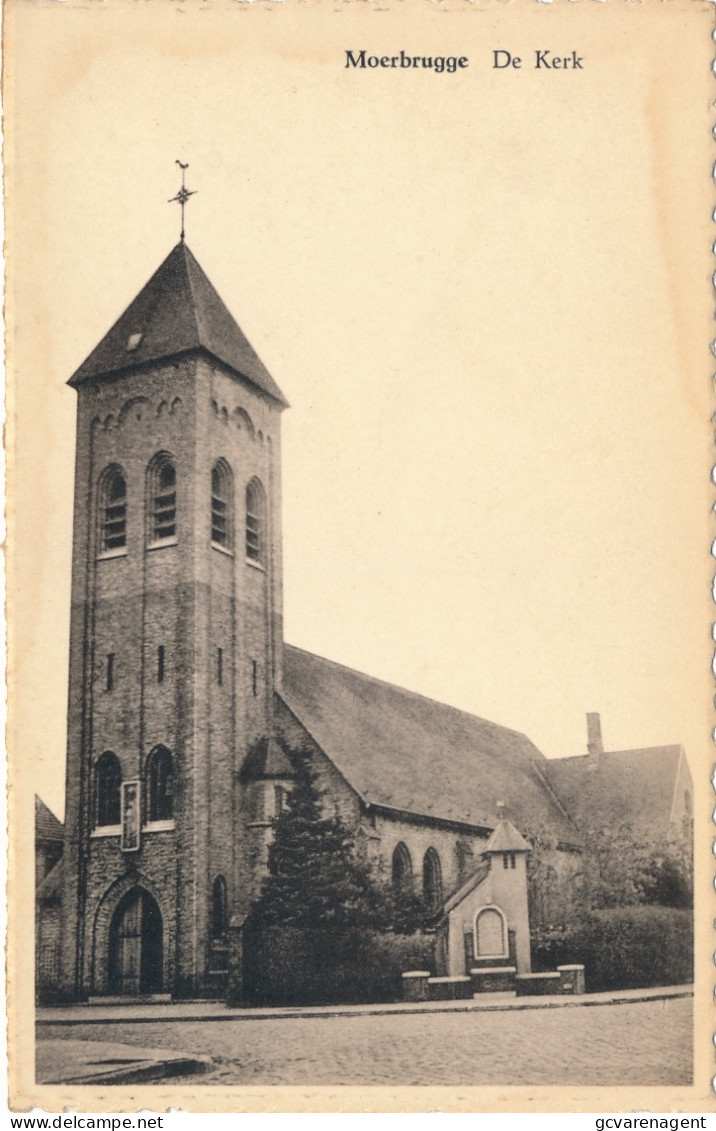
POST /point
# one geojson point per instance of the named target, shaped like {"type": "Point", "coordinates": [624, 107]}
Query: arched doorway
{"type": "Point", "coordinates": [136, 945]}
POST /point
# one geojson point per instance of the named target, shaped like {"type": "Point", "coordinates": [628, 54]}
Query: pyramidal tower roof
{"type": "Point", "coordinates": [178, 311]}
{"type": "Point", "coordinates": [505, 838]}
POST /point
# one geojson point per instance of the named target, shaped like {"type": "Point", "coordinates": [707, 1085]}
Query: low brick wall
{"type": "Point", "coordinates": [456, 988]}
{"type": "Point", "coordinates": [528, 985]}
{"type": "Point", "coordinates": [571, 979]}
{"type": "Point", "coordinates": [415, 985]}
{"type": "Point", "coordinates": [493, 979]}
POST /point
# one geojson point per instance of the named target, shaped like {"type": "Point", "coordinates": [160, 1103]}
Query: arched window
{"type": "Point", "coordinates": [221, 533]}
{"type": "Point", "coordinates": [112, 510]}
{"type": "Point", "coordinates": [402, 870]}
{"type": "Point", "coordinates": [218, 908]}
{"type": "Point", "coordinates": [160, 785]}
{"type": "Point", "coordinates": [490, 934]}
{"type": "Point", "coordinates": [432, 880]}
{"type": "Point", "coordinates": [255, 522]}
{"type": "Point", "coordinates": [162, 498]}
{"type": "Point", "coordinates": [108, 786]}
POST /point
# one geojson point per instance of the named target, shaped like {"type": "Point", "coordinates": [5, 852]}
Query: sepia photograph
{"type": "Point", "coordinates": [359, 513]}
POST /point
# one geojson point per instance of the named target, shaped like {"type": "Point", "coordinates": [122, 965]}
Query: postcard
{"type": "Point", "coordinates": [359, 512]}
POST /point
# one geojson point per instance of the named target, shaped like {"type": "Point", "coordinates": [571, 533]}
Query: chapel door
{"type": "Point", "coordinates": [136, 946]}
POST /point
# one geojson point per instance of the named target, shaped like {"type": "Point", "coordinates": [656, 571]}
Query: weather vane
{"type": "Point", "coordinates": [183, 195]}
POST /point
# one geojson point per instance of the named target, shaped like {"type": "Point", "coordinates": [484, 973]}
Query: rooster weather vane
{"type": "Point", "coordinates": [182, 196]}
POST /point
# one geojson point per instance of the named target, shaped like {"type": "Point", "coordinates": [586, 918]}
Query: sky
{"type": "Point", "coordinates": [485, 296]}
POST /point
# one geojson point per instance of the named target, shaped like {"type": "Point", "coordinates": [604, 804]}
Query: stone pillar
{"type": "Point", "coordinates": [571, 979]}
{"type": "Point", "coordinates": [415, 985]}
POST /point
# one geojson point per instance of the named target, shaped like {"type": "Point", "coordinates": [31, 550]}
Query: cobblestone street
{"type": "Point", "coordinates": [636, 1043]}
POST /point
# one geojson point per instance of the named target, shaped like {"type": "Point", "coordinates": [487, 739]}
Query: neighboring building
{"type": "Point", "coordinates": [647, 791]}
{"type": "Point", "coordinates": [184, 701]}
{"type": "Point", "coordinates": [49, 840]}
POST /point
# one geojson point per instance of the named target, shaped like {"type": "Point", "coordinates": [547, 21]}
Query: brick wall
{"type": "Point", "coordinates": [189, 599]}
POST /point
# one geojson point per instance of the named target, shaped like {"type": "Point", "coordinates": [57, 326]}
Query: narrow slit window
{"type": "Point", "coordinates": [160, 664]}
{"type": "Point", "coordinates": [254, 678]}
{"type": "Point", "coordinates": [219, 915]}
{"type": "Point", "coordinates": [220, 666]}
{"type": "Point", "coordinates": [110, 671]}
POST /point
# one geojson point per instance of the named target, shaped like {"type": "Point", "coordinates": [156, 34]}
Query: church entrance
{"type": "Point", "coordinates": [136, 947]}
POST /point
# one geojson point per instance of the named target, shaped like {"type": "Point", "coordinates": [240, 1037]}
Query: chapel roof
{"type": "Point", "coordinates": [475, 878]}
{"type": "Point", "coordinates": [633, 788]}
{"type": "Point", "coordinates": [402, 751]}
{"type": "Point", "coordinates": [506, 838]}
{"type": "Point", "coordinates": [177, 311]}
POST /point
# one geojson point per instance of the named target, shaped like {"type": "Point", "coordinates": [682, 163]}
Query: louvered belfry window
{"type": "Point", "coordinates": [220, 505]}
{"type": "Point", "coordinates": [163, 499]}
{"type": "Point", "coordinates": [113, 510]}
{"type": "Point", "coordinates": [255, 522]}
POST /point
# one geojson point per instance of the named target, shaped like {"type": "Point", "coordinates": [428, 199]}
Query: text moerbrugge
{"type": "Point", "coordinates": [440, 63]}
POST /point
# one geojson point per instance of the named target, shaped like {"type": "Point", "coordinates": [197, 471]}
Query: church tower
{"type": "Point", "coordinates": [176, 639]}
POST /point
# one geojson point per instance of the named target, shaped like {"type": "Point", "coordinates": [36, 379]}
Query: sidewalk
{"type": "Point", "coordinates": [137, 1012]}
{"type": "Point", "coordinates": [105, 1062]}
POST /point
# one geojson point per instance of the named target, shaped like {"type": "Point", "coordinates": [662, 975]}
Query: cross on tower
{"type": "Point", "coordinates": [182, 196]}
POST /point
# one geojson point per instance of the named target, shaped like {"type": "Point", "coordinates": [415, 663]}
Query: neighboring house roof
{"type": "Point", "coordinates": [47, 826]}
{"type": "Point", "coordinates": [50, 888]}
{"type": "Point", "coordinates": [505, 838]}
{"type": "Point", "coordinates": [402, 751]}
{"type": "Point", "coordinates": [618, 787]}
{"type": "Point", "coordinates": [177, 311]}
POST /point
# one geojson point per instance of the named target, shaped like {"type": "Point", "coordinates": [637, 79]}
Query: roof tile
{"type": "Point", "coordinates": [632, 788]}
{"type": "Point", "coordinates": [406, 752]}
{"type": "Point", "coordinates": [178, 310]}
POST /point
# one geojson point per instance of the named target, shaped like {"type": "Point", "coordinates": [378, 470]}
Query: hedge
{"type": "Point", "coordinates": [623, 947]}
{"type": "Point", "coordinates": [297, 966]}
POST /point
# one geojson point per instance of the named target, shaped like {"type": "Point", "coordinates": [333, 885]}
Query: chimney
{"type": "Point", "coordinates": [594, 735]}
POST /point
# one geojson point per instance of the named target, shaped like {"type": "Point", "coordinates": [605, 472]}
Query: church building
{"type": "Point", "coordinates": [185, 702]}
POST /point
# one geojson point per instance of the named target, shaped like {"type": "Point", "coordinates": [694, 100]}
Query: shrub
{"type": "Point", "coordinates": [322, 966]}
{"type": "Point", "coordinates": [623, 947]}
{"type": "Point", "coordinates": [552, 947]}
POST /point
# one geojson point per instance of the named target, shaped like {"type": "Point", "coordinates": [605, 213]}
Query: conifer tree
{"type": "Point", "coordinates": [314, 878]}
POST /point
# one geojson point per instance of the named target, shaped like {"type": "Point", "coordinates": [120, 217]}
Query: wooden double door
{"type": "Point", "coordinates": [136, 946]}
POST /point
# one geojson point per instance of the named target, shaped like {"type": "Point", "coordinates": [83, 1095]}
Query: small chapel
{"type": "Point", "coordinates": [185, 701]}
